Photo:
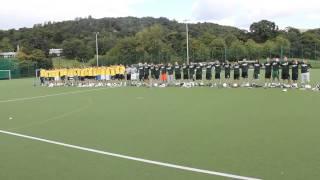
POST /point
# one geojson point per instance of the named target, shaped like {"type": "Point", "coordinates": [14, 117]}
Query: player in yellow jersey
{"type": "Point", "coordinates": [117, 72]}
{"type": "Point", "coordinates": [122, 70]}
{"type": "Point", "coordinates": [42, 76]}
{"type": "Point", "coordinates": [103, 73]}
{"type": "Point", "coordinates": [90, 72]}
{"type": "Point", "coordinates": [112, 73]}
{"type": "Point", "coordinates": [108, 74]}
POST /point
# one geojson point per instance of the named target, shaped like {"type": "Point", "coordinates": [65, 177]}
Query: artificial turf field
{"type": "Point", "coordinates": [260, 133]}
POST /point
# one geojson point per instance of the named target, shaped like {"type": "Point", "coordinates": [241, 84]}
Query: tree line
{"type": "Point", "coordinates": [130, 40]}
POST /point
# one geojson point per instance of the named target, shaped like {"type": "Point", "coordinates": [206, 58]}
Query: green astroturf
{"type": "Point", "coordinates": [263, 133]}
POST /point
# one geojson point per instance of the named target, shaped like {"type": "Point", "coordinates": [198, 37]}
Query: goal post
{"type": "Point", "coordinates": [5, 74]}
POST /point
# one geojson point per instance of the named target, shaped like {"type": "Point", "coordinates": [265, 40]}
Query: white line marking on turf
{"type": "Point", "coordinates": [132, 158]}
{"type": "Point", "coordinates": [49, 95]}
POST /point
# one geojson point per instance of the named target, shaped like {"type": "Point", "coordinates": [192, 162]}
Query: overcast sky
{"type": "Point", "coordinates": [304, 14]}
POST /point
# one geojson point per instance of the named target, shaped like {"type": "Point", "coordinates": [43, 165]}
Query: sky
{"type": "Point", "coordinates": [302, 14]}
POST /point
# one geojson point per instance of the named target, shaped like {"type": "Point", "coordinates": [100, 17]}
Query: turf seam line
{"type": "Point", "coordinates": [130, 157]}
{"type": "Point", "coordinates": [49, 95]}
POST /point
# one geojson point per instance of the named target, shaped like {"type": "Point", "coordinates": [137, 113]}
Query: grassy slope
{"type": "Point", "coordinates": [251, 132]}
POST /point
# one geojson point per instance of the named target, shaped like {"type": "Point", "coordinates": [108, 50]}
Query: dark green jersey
{"type": "Point", "coordinates": [256, 68]}
{"type": "Point", "coordinates": [185, 70]}
{"type": "Point", "coordinates": [146, 70]}
{"type": "Point", "coordinates": [199, 70]}
{"type": "Point", "coordinates": [275, 66]}
{"type": "Point", "coordinates": [191, 69]}
{"type": "Point", "coordinates": [177, 69]}
{"type": "Point", "coordinates": [170, 70]}
{"type": "Point", "coordinates": [285, 66]}
{"type": "Point", "coordinates": [152, 69]}
{"type": "Point", "coordinates": [227, 68]}
{"type": "Point", "coordinates": [305, 67]}
{"type": "Point", "coordinates": [209, 69]}
{"type": "Point", "coordinates": [217, 68]}
{"type": "Point", "coordinates": [157, 71]}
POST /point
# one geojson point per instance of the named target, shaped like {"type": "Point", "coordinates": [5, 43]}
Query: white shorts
{"type": "Point", "coordinates": [305, 78]}
{"type": "Point", "coordinates": [170, 78]}
{"type": "Point", "coordinates": [134, 76]}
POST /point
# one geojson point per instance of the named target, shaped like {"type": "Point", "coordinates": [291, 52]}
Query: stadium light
{"type": "Point", "coordinates": [97, 51]}
{"type": "Point", "coordinates": [187, 32]}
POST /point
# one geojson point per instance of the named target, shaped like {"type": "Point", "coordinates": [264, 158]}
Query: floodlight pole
{"type": "Point", "coordinates": [97, 51]}
{"type": "Point", "coordinates": [315, 51]}
{"type": "Point", "coordinates": [187, 32]}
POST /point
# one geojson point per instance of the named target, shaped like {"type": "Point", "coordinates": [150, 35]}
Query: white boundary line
{"type": "Point", "coordinates": [49, 95]}
{"type": "Point", "coordinates": [131, 158]}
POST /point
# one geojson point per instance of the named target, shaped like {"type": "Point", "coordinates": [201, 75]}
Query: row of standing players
{"type": "Point", "coordinates": [194, 71]}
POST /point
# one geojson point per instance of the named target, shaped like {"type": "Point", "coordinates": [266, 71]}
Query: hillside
{"type": "Point", "coordinates": [130, 39]}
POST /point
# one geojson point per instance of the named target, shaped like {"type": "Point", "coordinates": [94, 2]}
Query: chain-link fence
{"type": "Point", "coordinates": [18, 68]}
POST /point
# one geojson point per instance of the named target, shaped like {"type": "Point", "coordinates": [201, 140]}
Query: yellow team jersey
{"type": "Point", "coordinates": [42, 73]}
{"type": "Point", "coordinates": [77, 72]}
{"type": "Point", "coordinates": [122, 70]}
{"type": "Point", "coordinates": [117, 69]}
{"type": "Point", "coordinates": [98, 71]}
{"type": "Point", "coordinates": [70, 73]}
{"type": "Point", "coordinates": [108, 71]}
{"type": "Point", "coordinates": [103, 71]}
{"type": "Point", "coordinates": [90, 72]}
{"type": "Point", "coordinates": [95, 71]}
{"type": "Point", "coordinates": [82, 72]}
{"type": "Point", "coordinates": [112, 71]}
{"type": "Point", "coordinates": [63, 72]}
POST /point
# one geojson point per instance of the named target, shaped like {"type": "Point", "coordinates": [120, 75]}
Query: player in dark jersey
{"type": "Point", "coordinates": [146, 72]}
{"type": "Point", "coordinates": [157, 72]}
{"type": "Point", "coordinates": [295, 73]}
{"type": "Point", "coordinates": [227, 71]}
{"type": "Point", "coordinates": [152, 71]}
{"type": "Point", "coordinates": [305, 74]}
{"type": "Point", "coordinates": [177, 72]}
{"type": "Point", "coordinates": [141, 71]}
{"type": "Point", "coordinates": [163, 76]}
{"type": "Point", "coordinates": [256, 72]}
{"type": "Point", "coordinates": [185, 71]}
{"type": "Point", "coordinates": [275, 70]}
{"type": "Point", "coordinates": [217, 73]}
{"type": "Point", "coordinates": [170, 71]}
{"type": "Point", "coordinates": [267, 70]}
{"type": "Point", "coordinates": [236, 73]}
{"type": "Point", "coordinates": [199, 72]}
{"type": "Point", "coordinates": [209, 73]}
{"type": "Point", "coordinates": [285, 71]}
{"type": "Point", "coordinates": [244, 71]}
{"type": "Point", "coordinates": [192, 68]}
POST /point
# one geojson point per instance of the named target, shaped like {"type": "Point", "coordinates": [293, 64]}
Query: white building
{"type": "Point", "coordinates": [8, 54]}
{"type": "Point", "coordinates": [55, 52]}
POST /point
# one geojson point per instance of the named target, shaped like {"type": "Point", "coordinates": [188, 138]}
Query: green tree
{"type": "Point", "coordinates": [238, 50]}
{"type": "Point", "coordinates": [37, 55]}
{"type": "Point", "coordinates": [254, 49]}
{"type": "Point", "coordinates": [5, 45]}
{"type": "Point", "coordinates": [76, 49]}
{"type": "Point", "coordinates": [263, 30]}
